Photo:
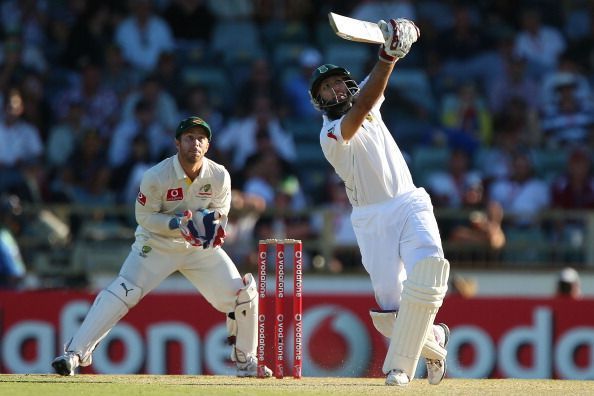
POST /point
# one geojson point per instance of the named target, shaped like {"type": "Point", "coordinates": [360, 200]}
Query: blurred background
{"type": "Point", "coordinates": [493, 109]}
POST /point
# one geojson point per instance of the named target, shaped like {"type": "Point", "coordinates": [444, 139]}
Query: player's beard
{"type": "Point", "coordinates": [339, 109]}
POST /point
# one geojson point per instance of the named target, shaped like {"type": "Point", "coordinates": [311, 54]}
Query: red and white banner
{"type": "Point", "coordinates": [182, 334]}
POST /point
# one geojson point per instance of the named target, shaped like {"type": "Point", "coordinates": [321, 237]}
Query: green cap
{"type": "Point", "coordinates": [192, 122]}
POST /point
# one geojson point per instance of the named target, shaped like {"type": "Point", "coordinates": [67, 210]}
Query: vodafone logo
{"type": "Point", "coordinates": [341, 337]}
{"type": "Point", "coordinates": [175, 194]}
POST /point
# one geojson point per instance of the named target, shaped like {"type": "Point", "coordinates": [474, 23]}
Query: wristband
{"type": "Point", "coordinates": [174, 223]}
{"type": "Point", "coordinates": [384, 57]}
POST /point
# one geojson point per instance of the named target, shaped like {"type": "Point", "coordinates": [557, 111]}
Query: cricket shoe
{"type": "Point", "coordinates": [397, 378]}
{"type": "Point", "coordinates": [250, 369]}
{"type": "Point", "coordinates": [436, 369]}
{"type": "Point", "coordinates": [66, 364]}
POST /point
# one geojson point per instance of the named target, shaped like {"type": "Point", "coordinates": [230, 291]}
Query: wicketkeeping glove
{"type": "Point", "coordinates": [400, 34]}
{"type": "Point", "coordinates": [211, 226]}
{"type": "Point", "coordinates": [187, 228]}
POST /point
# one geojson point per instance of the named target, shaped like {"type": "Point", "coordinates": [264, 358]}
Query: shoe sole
{"type": "Point", "coordinates": [61, 368]}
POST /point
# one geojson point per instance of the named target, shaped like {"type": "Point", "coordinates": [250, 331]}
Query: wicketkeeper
{"type": "Point", "coordinates": [393, 220]}
{"type": "Point", "coordinates": [181, 210]}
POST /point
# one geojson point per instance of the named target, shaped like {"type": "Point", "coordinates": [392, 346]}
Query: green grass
{"type": "Point", "coordinates": [164, 385]}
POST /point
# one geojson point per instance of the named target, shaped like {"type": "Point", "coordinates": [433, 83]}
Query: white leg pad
{"type": "Point", "coordinates": [422, 295]}
{"type": "Point", "coordinates": [244, 324]}
{"type": "Point", "coordinates": [110, 305]}
{"type": "Point", "coordinates": [384, 323]}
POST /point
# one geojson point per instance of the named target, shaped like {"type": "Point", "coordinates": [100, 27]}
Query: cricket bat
{"type": "Point", "coordinates": [355, 30]}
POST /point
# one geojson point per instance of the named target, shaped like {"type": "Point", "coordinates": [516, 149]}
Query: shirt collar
{"type": "Point", "coordinates": [179, 171]}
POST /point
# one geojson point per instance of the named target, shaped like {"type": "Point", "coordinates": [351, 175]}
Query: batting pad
{"type": "Point", "coordinates": [422, 295]}
{"type": "Point", "coordinates": [109, 307]}
{"type": "Point", "coordinates": [245, 325]}
{"type": "Point", "coordinates": [384, 323]}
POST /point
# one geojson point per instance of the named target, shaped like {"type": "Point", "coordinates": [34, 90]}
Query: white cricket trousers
{"type": "Point", "coordinates": [393, 236]}
{"type": "Point", "coordinates": [211, 271]}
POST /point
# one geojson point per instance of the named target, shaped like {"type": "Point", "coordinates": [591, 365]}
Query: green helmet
{"type": "Point", "coordinates": [320, 74]}
{"type": "Point", "coordinates": [192, 122]}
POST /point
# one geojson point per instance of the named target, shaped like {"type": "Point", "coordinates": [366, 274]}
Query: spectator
{"type": "Point", "coordinates": [467, 115]}
{"type": "Point", "coordinates": [462, 53]}
{"type": "Point", "coordinates": [296, 87]}
{"type": "Point", "coordinates": [521, 195]}
{"type": "Point", "coordinates": [515, 83]}
{"type": "Point", "coordinates": [269, 177]}
{"type": "Point", "coordinates": [12, 266]}
{"type": "Point", "coordinates": [574, 190]}
{"type": "Point", "coordinates": [117, 73]}
{"type": "Point", "coordinates": [568, 284]}
{"type": "Point", "coordinates": [541, 45]}
{"type": "Point", "coordinates": [260, 82]}
{"type": "Point", "coordinates": [258, 132]}
{"type": "Point", "coordinates": [151, 90]}
{"type": "Point", "coordinates": [447, 187]}
{"type": "Point", "coordinates": [197, 101]}
{"type": "Point", "coordinates": [37, 108]}
{"type": "Point", "coordinates": [21, 147]}
{"type": "Point", "coordinates": [144, 124]}
{"type": "Point", "coordinates": [99, 102]}
{"type": "Point", "coordinates": [334, 221]}
{"type": "Point", "coordinates": [89, 35]}
{"type": "Point", "coordinates": [568, 121]}
{"type": "Point", "coordinates": [16, 61]}
{"type": "Point", "coordinates": [65, 136]}
{"type": "Point", "coordinates": [143, 36]}
{"type": "Point", "coordinates": [190, 20]}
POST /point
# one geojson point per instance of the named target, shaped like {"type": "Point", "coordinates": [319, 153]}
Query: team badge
{"type": "Point", "coordinates": [205, 191]}
{"type": "Point", "coordinates": [145, 250]}
{"type": "Point", "coordinates": [175, 194]}
{"type": "Point", "coordinates": [369, 117]}
{"type": "Point", "coordinates": [331, 134]}
{"type": "Point", "coordinates": [141, 198]}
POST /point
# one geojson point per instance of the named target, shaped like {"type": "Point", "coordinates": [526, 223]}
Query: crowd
{"type": "Point", "coordinates": [493, 107]}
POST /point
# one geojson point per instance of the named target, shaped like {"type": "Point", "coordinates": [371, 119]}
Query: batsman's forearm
{"type": "Point", "coordinates": [371, 92]}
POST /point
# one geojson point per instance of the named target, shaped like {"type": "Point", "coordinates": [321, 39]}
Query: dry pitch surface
{"type": "Point", "coordinates": [163, 385]}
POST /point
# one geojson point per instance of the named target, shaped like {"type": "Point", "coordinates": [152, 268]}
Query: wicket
{"type": "Point", "coordinates": [279, 305]}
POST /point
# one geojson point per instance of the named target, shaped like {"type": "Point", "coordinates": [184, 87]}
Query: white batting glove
{"type": "Point", "coordinates": [400, 34]}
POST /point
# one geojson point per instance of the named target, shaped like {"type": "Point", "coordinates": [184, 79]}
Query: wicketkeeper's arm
{"type": "Point", "coordinates": [148, 208]}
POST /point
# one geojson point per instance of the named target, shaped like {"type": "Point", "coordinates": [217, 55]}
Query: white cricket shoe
{"type": "Point", "coordinates": [436, 369]}
{"type": "Point", "coordinates": [250, 369]}
{"type": "Point", "coordinates": [66, 364]}
{"type": "Point", "coordinates": [397, 378]}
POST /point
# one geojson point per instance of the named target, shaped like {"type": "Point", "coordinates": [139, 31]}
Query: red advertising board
{"type": "Point", "coordinates": [180, 333]}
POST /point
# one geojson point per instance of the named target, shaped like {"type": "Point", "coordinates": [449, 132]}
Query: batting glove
{"type": "Point", "coordinates": [400, 34]}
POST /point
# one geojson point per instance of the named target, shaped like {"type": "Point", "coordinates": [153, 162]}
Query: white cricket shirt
{"type": "Point", "coordinates": [370, 164]}
{"type": "Point", "coordinates": [166, 190]}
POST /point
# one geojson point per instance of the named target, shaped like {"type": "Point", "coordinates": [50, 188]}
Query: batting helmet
{"type": "Point", "coordinates": [323, 72]}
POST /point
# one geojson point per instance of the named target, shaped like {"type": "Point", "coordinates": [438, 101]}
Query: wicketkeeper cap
{"type": "Point", "coordinates": [192, 122]}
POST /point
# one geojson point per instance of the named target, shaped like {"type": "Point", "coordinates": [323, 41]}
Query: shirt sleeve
{"type": "Point", "coordinates": [148, 208]}
{"type": "Point", "coordinates": [221, 201]}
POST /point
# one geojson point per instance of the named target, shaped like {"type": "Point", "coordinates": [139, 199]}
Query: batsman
{"type": "Point", "coordinates": [396, 229]}
{"type": "Point", "coordinates": [181, 210]}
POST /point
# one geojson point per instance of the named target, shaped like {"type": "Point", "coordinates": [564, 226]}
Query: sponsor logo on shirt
{"type": "Point", "coordinates": [369, 117]}
{"type": "Point", "coordinates": [141, 198]}
{"type": "Point", "coordinates": [331, 134]}
{"type": "Point", "coordinates": [175, 194]}
{"type": "Point", "coordinates": [205, 191]}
